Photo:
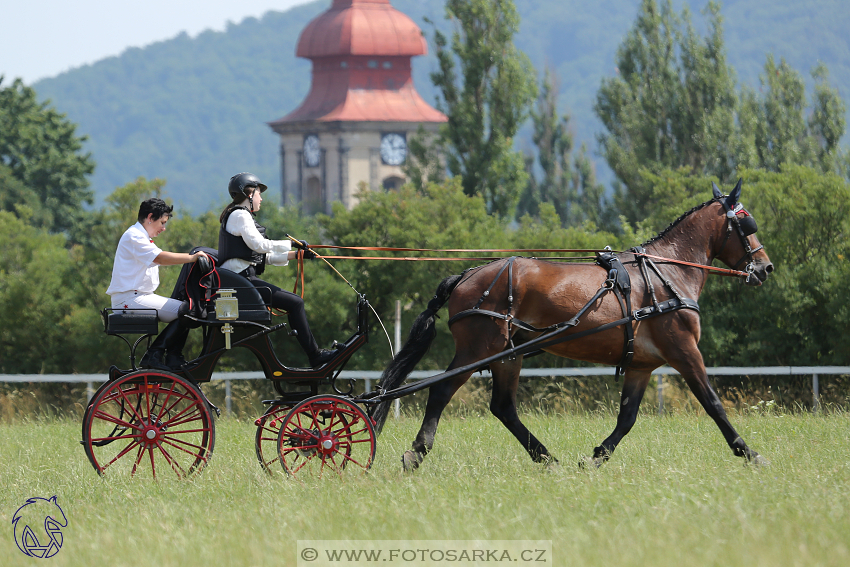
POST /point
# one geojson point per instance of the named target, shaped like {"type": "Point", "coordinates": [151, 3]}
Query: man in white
{"type": "Point", "coordinates": [135, 277]}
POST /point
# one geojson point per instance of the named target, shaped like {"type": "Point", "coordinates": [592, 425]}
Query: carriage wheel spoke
{"type": "Point", "coordinates": [139, 454]}
{"type": "Point", "coordinates": [121, 454]}
{"type": "Point", "coordinates": [133, 409]}
{"type": "Point", "coordinates": [171, 460]}
{"type": "Point", "coordinates": [153, 466]}
{"type": "Point", "coordinates": [196, 413]}
{"type": "Point", "coordinates": [112, 419]}
{"type": "Point", "coordinates": [178, 442]}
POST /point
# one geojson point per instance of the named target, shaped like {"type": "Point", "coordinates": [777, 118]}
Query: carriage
{"type": "Point", "coordinates": [644, 313]}
{"type": "Point", "coordinates": [143, 421]}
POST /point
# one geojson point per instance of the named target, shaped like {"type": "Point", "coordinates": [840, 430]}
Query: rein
{"type": "Point", "coordinates": [713, 269]}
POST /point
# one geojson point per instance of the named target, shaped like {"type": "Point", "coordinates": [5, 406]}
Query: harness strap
{"type": "Point", "coordinates": [510, 263]}
{"type": "Point", "coordinates": [530, 347]}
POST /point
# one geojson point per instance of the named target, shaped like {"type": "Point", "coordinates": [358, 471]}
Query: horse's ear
{"type": "Point", "coordinates": [715, 190]}
{"type": "Point", "coordinates": [732, 200]}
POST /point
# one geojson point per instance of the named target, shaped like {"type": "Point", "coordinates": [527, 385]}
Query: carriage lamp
{"type": "Point", "coordinates": [227, 309]}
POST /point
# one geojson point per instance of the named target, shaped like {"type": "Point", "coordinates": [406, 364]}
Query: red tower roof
{"type": "Point", "coordinates": [361, 52]}
{"type": "Point", "coordinates": [361, 27]}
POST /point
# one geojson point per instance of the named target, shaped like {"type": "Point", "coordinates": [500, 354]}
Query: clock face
{"type": "Point", "coordinates": [393, 149]}
{"type": "Point", "coordinates": [312, 151]}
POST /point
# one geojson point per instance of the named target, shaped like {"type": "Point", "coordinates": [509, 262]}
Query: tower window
{"type": "Point", "coordinates": [343, 64]}
{"type": "Point", "coordinates": [372, 64]}
{"type": "Point", "coordinates": [388, 64]}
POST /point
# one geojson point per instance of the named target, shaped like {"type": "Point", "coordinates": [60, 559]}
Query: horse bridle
{"type": "Point", "coordinates": [744, 227]}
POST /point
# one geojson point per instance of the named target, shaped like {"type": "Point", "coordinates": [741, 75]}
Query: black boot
{"type": "Point", "coordinates": [321, 357]}
{"type": "Point", "coordinates": [317, 356]}
{"type": "Point", "coordinates": [174, 347]}
{"type": "Point", "coordinates": [174, 358]}
{"type": "Point", "coordinates": [154, 356]}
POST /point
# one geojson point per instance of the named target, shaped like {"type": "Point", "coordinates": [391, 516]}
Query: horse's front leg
{"type": "Point", "coordinates": [693, 370]}
{"type": "Point", "coordinates": [439, 396]}
{"type": "Point", "coordinates": [634, 386]}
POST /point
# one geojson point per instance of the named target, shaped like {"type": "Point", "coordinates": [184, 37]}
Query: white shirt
{"type": "Point", "coordinates": [133, 269]}
{"type": "Point", "coordinates": [241, 223]}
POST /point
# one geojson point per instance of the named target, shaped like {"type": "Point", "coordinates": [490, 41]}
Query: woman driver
{"type": "Point", "coordinates": [243, 248]}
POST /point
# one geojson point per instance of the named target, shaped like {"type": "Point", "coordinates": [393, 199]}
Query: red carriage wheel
{"type": "Point", "coordinates": [326, 433]}
{"type": "Point", "coordinates": [147, 423]}
{"type": "Point", "coordinates": [265, 441]}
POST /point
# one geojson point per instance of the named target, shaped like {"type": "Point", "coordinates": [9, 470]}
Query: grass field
{"type": "Point", "coordinates": [672, 494]}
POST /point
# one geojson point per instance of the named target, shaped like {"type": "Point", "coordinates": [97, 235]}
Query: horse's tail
{"type": "Point", "coordinates": [421, 336]}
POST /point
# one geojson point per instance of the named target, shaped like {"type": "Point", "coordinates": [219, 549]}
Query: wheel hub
{"type": "Point", "coordinates": [152, 433]}
{"type": "Point", "coordinates": [327, 443]}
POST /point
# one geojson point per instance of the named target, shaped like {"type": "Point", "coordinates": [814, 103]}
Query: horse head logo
{"type": "Point", "coordinates": [38, 527]}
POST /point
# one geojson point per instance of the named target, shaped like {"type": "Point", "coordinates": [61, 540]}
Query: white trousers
{"type": "Point", "coordinates": [166, 308]}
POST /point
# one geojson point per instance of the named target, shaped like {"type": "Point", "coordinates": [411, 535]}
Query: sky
{"type": "Point", "coordinates": [43, 38]}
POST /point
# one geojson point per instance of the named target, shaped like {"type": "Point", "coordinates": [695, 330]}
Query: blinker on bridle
{"type": "Point", "coordinates": [745, 226]}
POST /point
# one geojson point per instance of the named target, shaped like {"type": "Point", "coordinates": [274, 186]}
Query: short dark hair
{"type": "Point", "coordinates": [157, 207]}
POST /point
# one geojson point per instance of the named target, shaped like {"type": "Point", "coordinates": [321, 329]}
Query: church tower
{"type": "Point", "coordinates": [354, 125]}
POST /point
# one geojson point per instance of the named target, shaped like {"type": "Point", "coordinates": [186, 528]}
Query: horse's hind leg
{"type": "Point", "coordinates": [439, 396]}
{"type": "Point", "coordinates": [634, 386]}
{"type": "Point", "coordinates": [503, 406]}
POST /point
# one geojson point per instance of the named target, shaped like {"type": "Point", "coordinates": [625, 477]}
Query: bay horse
{"type": "Point", "coordinates": [536, 295]}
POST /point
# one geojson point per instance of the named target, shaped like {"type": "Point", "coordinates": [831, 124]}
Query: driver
{"type": "Point", "coordinates": [243, 248]}
{"type": "Point", "coordinates": [135, 277]}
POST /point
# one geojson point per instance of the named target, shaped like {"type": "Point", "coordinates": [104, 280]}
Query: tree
{"type": "Point", "coordinates": [672, 103]}
{"type": "Point", "coordinates": [568, 182]}
{"type": "Point", "coordinates": [774, 126]}
{"type": "Point", "coordinates": [40, 148]}
{"type": "Point", "coordinates": [486, 87]}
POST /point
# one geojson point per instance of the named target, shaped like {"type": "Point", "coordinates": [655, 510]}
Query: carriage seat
{"type": "Point", "coordinates": [131, 322]}
{"type": "Point", "coordinates": [252, 307]}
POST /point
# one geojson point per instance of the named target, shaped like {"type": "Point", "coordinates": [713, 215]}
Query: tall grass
{"type": "Point", "coordinates": [672, 494]}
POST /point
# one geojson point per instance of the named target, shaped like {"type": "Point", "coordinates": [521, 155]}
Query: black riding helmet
{"type": "Point", "coordinates": [240, 181]}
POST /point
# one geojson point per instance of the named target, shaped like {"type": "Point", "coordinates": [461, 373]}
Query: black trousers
{"type": "Point", "coordinates": [294, 306]}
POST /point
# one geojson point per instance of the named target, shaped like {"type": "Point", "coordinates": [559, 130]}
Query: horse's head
{"type": "Point", "coordinates": [738, 246]}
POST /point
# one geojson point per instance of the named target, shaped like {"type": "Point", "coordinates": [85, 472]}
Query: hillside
{"type": "Point", "coordinates": [193, 110]}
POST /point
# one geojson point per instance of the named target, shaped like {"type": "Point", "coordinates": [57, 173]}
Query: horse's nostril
{"type": "Point", "coordinates": [769, 268]}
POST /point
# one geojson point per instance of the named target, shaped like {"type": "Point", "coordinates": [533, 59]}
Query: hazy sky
{"type": "Point", "coordinates": [42, 38]}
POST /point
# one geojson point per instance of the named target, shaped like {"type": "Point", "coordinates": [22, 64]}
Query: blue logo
{"type": "Point", "coordinates": [38, 527]}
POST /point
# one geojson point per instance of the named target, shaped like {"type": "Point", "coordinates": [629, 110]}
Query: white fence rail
{"type": "Point", "coordinates": [369, 375]}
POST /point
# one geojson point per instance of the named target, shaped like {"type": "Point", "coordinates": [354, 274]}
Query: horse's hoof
{"type": "Point", "coordinates": [410, 461]}
{"type": "Point", "coordinates": [758, 461]}
{"type": "Point", "coordinates": [588, 463]}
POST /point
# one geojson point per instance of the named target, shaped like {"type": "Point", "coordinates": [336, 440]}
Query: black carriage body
{"type": "Point", "coordinates": [251, 330]}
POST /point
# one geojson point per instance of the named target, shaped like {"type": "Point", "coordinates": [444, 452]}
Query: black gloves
{"type": "Point", "coordinates": [305, 246]}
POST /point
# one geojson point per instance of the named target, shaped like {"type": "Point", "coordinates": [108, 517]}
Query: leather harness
{"type": "Point", "coordinates": [618, 281]}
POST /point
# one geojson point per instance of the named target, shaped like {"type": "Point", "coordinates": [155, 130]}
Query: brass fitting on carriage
{"type": "Point", "coordinates": [227, 309]}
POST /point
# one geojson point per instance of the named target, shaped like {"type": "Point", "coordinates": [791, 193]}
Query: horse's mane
{"type": "Point", "coordinates": [673, 224]}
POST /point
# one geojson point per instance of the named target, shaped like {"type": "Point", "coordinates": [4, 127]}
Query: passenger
{"type": "Point", "coordinates": [135, 277]}
{"type": "Point", "coordinates": [243, 248]}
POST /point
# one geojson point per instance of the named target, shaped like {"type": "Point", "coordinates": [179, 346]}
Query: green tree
{"type": "Point", "coordinates": [671, 105]}
{"type": "Point", "coordinates": [486, 87]}
{"type": "Point", "coordinates": [774, 126]}
{"type": "Point", "coordinates": [568, 181]}
{"type": "Point", "coordinates": [40, 148]}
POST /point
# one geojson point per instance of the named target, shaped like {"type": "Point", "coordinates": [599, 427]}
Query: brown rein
{"type": "Point", "coordinates": [712, 269]}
